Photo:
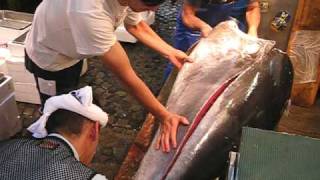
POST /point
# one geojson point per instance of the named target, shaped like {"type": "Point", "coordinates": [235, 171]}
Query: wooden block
{"type": "Point", "coordinates": [131, 163]}
{"type": "Point", "coordinates": [305, 94]}
{"type": "Point", "coordinates": [309, 16]}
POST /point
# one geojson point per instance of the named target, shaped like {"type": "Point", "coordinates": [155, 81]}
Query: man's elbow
{"type": "Point", "coordinates": [132, 28]}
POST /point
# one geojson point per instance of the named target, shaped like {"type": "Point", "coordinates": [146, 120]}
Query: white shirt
{"type": "Point", "coordinates": [65, 31]}
{"type": "Point", "coordinates": [76, 155]}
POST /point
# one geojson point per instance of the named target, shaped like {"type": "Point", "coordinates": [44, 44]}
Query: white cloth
{"type": "Point", "coordinates": [65, 31]}
{"type": "Point", "coordinates": [76, 155]}
{"type": "Point", "coordinates": [79, 101]}
{"type": "Point", "coordinates": [99, 177]}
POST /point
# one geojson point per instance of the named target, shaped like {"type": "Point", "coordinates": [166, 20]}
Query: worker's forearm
{"type": "Point", "coordinates": [117, 61]}
{"type": "Point", "coordinates": [189, 18]}
{"type": "Point", "coordinates": [147, 36]}
{"type": "Point", "coordinates": [253, 16]}
{"type": "Point", "coordinates": [138, 88]}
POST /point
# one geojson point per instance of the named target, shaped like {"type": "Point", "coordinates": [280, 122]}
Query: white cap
{"type": "Point", "coordinates": [78, 101]}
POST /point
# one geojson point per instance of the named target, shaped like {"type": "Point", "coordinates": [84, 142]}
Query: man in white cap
{"type": "Point", "coordinates": [65, 31]}
{"type": "Point", "coordinates": [66, 137]}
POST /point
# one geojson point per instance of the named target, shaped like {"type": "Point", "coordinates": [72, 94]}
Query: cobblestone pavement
{"type": "Point", "coordinates": [126, 114]}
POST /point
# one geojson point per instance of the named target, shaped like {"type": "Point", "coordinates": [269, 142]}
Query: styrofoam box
{"type": "Point", "coordinates": [16, 69]}
{"type": "Point", "coordinates": [16, 50]}
{"type": "Point", "coordinates": [8, 35]}
{"type": "Point", "coordinates": [124, 36]}
{"type": "Point", "coordinates": [10, 123]}
{"type": "Point", "coordinates": [27, 92]}
{"type": "Point", "coordinates": [3, 67]}
{"type": "Point", "coordinates": [6, 88]}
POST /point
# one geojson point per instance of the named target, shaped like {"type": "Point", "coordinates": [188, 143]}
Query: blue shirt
{"type": "Point", "coordinates": [212, 14]}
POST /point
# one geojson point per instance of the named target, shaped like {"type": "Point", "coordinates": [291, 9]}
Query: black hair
{"type": "Point", "coordinates": [64, 121]}
{"type": "Point", "coordinates": [152, 2]}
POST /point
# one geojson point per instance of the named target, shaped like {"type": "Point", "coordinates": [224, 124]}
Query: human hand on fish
{"type": "Point", "coordinates": [168, 131]}
{"type": "Point", "coordinates": [205, 30]}
{"type": "Point", "coordinates": [253, 32]}
{"type": "Point", "coordinates": [178, 58]}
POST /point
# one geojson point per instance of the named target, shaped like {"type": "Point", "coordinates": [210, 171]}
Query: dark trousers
{"type": "Point", "coordinates": [50, 83]}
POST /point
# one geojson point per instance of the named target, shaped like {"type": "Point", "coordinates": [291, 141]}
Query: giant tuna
{"type": "Point", "coordinates": [235, 81]}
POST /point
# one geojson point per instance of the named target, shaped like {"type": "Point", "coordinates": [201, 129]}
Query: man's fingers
{"type": "Point", "coordinates": [204, 34]}
{"type": "Point", "coordinates": [173, 135]}
{"type": "Point", "coordinates": [167, 142]}
{"type": "Point", "coordinates": [177, 64]}
{"type": "Point", "coordinates": [184, 121]}
{"type": "Point", "coordinates": [163, 146]}
{"type": "Point", "coordinates": [161, 142]}
{"type": "Point", "coordinates": [168, 133]}
{"type": "Point", "coordinates": [188, 59]}
{"type": "Point", "coordinates": [158, 142]}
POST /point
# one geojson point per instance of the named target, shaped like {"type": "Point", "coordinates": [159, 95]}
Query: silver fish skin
{"type": "Point", "coordinates": [256, 98]}
{"type": "Point", "coordinates": [224, 54]}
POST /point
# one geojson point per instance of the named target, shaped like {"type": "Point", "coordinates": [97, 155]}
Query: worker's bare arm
{"type": "Point", "coordinates": [143, 32]}
{"type": "Point", "coordinates": [190, 19]}
{"type": "Point", "coordinates": [253, 17]}
{"type": "Point", "coordinates": [118, 62]}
